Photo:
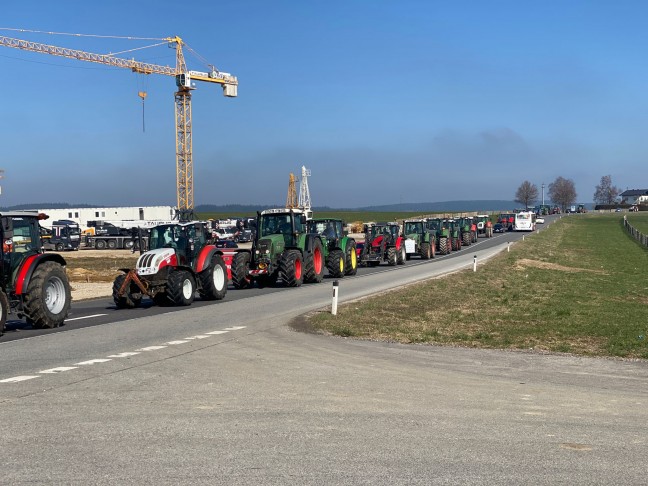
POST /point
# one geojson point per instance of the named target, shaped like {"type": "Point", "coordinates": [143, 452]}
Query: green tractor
{"type": "Point", "coordinates": [419, 239]}
{"type": "Point", "coordinates": [441, 231]}
{"type": "Point", "coordinates": [339, 250]}
{"type": "Point", "coordinates": [33, 284]}
{"type": "Point", "coordinates": [454, 230]}
{"type": "Point", "coordinates": [282, 249]}
{"type": "Point", "coordinates": [465, 233]}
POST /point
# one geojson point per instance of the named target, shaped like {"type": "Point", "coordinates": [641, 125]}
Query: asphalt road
{"type": "Point", "coordinates": [229, 394]}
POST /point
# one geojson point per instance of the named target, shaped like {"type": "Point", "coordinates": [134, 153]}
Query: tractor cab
{"type": "Point", "coordinates": [414, 229]}
{"type": "Point", "coordinates": [20, 239]}
{"type": "Point", "coordinates": [330, 229]}
{"type": "Point", "coordinates": [187, 239]}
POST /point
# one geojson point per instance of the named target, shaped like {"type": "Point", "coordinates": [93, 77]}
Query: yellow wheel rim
{"type": "Point", "coordinates": [341, 264]}
{"type": "Point", "coordinates": [354, 259]}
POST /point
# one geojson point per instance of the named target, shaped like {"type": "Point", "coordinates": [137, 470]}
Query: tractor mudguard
{"type": "Point", "coordinates": [204, 257]}
{"type": "Point", "coordinates": [26, 270]}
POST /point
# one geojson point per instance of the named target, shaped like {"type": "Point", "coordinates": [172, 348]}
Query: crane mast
{"type": "Point", "coordinates": [183, 121]}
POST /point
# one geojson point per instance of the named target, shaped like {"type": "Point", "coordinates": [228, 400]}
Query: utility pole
{"type": "Point", "coordinates": [543, 193]}
{"type": "Point", "coordinates": [1, 177]}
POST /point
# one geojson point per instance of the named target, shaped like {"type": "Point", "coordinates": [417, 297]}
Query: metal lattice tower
{"type": "Point", "coordinates": [291, 199]}
{"type": "Point", "coordinates": [304, 193]}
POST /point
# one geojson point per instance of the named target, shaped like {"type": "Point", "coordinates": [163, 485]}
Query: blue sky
{"type": "Point", "coordinates": [385, 102]}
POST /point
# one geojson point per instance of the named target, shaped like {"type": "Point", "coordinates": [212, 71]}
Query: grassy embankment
{"type": "Point", "coordinates": [578, 286]}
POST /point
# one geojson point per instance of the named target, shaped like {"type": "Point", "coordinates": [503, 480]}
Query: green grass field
{"type": "Point", "coordinates": [578, 286]}
{"type": "Point", "coordinates": [639, 221]}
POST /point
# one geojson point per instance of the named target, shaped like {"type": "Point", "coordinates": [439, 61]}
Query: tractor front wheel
{"type": "Point", "coordinates": [48, 297]}
{"type": "Point", "coordinates": [335, 264]}
{"type": "Point", "coordinates": [314, 263]}
{"type": "Point", "coordinates": [132, 296]}
{"type": "Point", "coordinates": [213, 280]}
{"type": "Point", "coordinates": [351, 264]}
{"type": "Point", "coordinates": [444, 249]}
{"type": "Point", "coordinates": [240, 267]}
{"type": "Point", "coordinates": [402, 255]}
{"type": "Point", "coordinates": [291, 268]}
{"type": "Point", "coordinates": [181, 288]}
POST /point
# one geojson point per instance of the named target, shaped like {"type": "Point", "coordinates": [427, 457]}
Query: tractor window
{"type": "Point", "coordinates": [412, 228]}
{"type": "Point", "coordinates": [279, 224]}
{"type": "Point", "coordinates": [163, 237]}
{"type": "Point", "coordinates": [25, 235]}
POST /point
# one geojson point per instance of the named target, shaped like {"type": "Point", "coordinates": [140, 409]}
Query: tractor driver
{"type": "Point", "coordinates": [329, 231]}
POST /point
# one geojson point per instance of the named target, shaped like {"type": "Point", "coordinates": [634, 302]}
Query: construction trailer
{"type": "Point", "coordinates": [82, 216]}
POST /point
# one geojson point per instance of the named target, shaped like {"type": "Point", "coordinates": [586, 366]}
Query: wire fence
{"type": "Point", "coordinates": [635, 233]}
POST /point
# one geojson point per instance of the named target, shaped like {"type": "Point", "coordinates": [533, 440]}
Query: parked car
{"type": "Point", "coordinates": [224, 234]}
{"type": "Point", "coordinates": [539, 220]}
{"type": "Point", "coordinates": [498, 228]}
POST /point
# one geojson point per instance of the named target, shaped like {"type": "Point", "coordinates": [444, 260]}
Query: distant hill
{"type": "Point", "coordinates": [27, 207]}
{"type": "Point", "coordinates": [447, 206]}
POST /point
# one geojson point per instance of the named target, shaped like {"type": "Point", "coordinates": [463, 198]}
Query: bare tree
{"type": "Point", "coordinates": [562, 192]}
{"type": "Point", "coordinates": [526, 194]}
{"type": "Point", "coordinates": [605, 192]}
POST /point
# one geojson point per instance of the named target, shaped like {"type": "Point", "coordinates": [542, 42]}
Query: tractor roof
{"type": "Point", "coordinates": [283, 211]}
{"type": "Point", "coordinates": [23, 214]}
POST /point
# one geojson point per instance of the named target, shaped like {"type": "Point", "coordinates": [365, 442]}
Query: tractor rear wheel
{"type": "Point", "coordinates": [132, 296]}
{"type": "Point", "coordinates": [432, 249]}
{"type": "Point", "coordinates": [48, 297]}
{"type": "Point", "coordinates": [351, 264]}
{"type": "Point", "coordinates": [213, 280]}
{"type": "Point", "coordinates": [314, 263]}
{"type": "Point", "coordinates": [291, 268]}
{"type": "Point", "coordinates": [181, 287]}
{"type": "Point", "coordinates": [424, 251]}
{"type": "Point", "coordinates": [240, 267]}
{"type": "Point", "coordinates": [401, 255]}
{"type": "Point", "coordinates": [335, 264]}
{"type": "Point", "coordinates": [466, 239]}
{"type": "Point", "coordinates": [392, 256]}
{"type": "Point", "coordinates": [4, 311]}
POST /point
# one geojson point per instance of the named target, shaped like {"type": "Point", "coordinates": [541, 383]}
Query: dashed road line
{"type": "Point", "coordinates": [60, 369]}
{"type": "Point", "coordinates": [85, 317]}
{"type": "Point", "coordinates": [93, 361]}
{"type": "Point", "coordinates": [16, 379]}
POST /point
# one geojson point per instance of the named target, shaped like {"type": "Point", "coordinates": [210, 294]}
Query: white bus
{"type": "Point", "coordinates": [525, 221]}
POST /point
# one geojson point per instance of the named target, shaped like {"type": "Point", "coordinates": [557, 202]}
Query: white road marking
{"type": "Point", "coordinates": [199, 336]}
{"type": "Point", "coordinates": [177, 342]}
{"type": "Point", "coordinates": [217, 332]}
{"type": "Point", "coordinates": [123, 355]}
{"type": "Point", "coordinates": [85, 317]}
{"type": "Point", "coordinates": [93, 361]}
{"type": "Point", "coordinates": [16, 379]}
{"type": "Point", "coordinates": [60, 369]}
{"type": "Point", "coordinates": [235, 328]}
{"type": "Point", "coordinates": [150, 348]}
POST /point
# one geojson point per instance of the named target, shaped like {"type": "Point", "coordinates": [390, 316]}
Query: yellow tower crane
{"type": "Point", "coordinates": [184, 81]}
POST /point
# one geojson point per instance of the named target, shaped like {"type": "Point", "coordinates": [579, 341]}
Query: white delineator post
{"type": "Point", "coordinates": [475, 263]}
{"type": "Point", "coordinates": [335, 298]}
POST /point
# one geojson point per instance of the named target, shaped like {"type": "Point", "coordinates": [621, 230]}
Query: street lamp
{"type": "Point", "coordinates": [543, 193]}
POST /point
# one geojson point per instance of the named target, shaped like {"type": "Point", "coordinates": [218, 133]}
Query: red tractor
{"type": "Point", "coordinates": [33, 284]}
{"type": "Point", "coordinates": [383, 243]}
{"type": "Point", "coordinates": [180, 260]}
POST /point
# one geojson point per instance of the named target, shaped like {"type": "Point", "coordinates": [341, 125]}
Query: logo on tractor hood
{"type": "Point", "coordinates": [152, 261]}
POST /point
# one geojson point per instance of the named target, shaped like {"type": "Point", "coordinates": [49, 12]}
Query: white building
{"type": "Point", "coordinates": [83, 215]}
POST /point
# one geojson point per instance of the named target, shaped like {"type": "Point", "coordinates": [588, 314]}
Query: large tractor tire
{"type": "Point", "coordinates": [48, 297]}
{"type": "Point", "coordinates": [131, 298]}
{"type": "Point", "coordinates": [291, 267]}
{"type": "Point", "coordinates": [424, 251]}
{"type": "Point", "coordinates": [466, 239]}
{"type": "Point", "coordinates": [181, 287]}
{"type": "Point", "coordinates": [336, 263]}
{"type": "Point", "coordinates": [314, 263]}
{"type": "Point", "coordinates": [444, 247]}
{"type": "Point", "coordinates": [392, 256]}
{"type": "Point", "coordinates": [401, 255]}
{"type": "Point", "coordinates": [213, 280]}
{"type": "Point", "coordinates": [351, 264]}
{"type": "Point", "coordinates": [4, 311]}
{"type": "Point", "coordinates": [456, 244]}
{"type": "Point", "coordinates": [240, 267]}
